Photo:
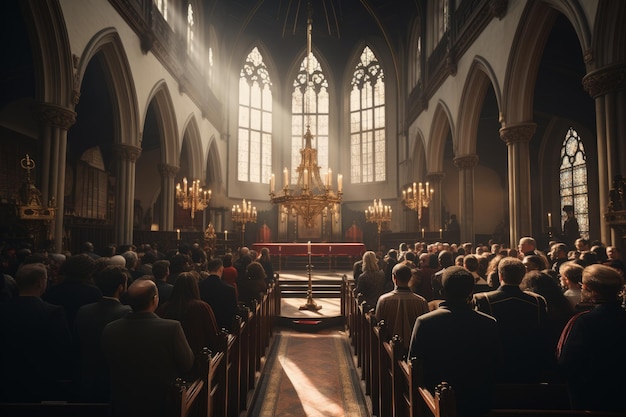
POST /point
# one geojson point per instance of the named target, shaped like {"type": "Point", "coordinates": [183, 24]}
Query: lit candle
{"type": "Point", "coordinates": [306, 176]}
{"type": "Point", "coordinates": [272, 184]}
{"type": "Point", "coordinates": [330, 178]}
{"type": "Point", "coordinates": [422, 233]}
{"type": "Point", "coordinates": [440, 233]}
{"type": "Point", "coordinates": [285, 178]}
{"type": "Point", "coordinates": [177, 234]}
{"type": "Point", "coordinates": [308, 247]}
{"type": "Point", "coordinates": [225, 235]}
{"type": "Point", "coordinates": [549, 219]}
{"type": "Point", "coordinates": [340, 183]}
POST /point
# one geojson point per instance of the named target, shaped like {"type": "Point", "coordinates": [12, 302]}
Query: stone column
{"type": "Point", "coordinates": [466, 165]}
{"type": "Point", "coordinates": [434, 208]}
{"type": "Point", "coordinates": [517, 138]}
{"type": "Point", "coordinates": [168, 189]}
{"type": "Point", "coordinates": [55, 122]}
{"type": "Point", "coordinates": [607, 86]}
{"type": "Point", "coordinates": [126, 157]}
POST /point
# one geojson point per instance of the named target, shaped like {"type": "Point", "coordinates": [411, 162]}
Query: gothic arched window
{"type": "Point", "coordinates": [367, 120]}
{"type": "Point", "coordinates": [254, 155]}
{"type": "Point", "coordinates": [309, 107]}
{"type": "Point", "coordinates": [573, 176]}
{"type": "Point", "coordinates": [191, 29]}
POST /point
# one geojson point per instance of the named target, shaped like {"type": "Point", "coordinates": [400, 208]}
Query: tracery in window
{"type": "Point", "coordinates": [573, 176]}
{"type": "Point", "coordinates": [254, 153]}
{"type": "Point", "coordinates": [162, 7]}
{"type": "Point", "coordinates": [367, 121]}
{"type": "Point", "coordinates": [309, 106]}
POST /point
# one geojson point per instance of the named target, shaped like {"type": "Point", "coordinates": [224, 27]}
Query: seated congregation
{"type": "Point", "coordinates": [548, 339]}
{"type": "Point", "coordinates": [132, 334]}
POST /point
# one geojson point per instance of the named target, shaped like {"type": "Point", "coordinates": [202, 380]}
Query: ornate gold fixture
{"type": "Point", "coordinates": [192, 198]}
{"type": "Point", "coordinates": [243, 214]}
{"type": "Point", "coordinates": [378, 214]}
{"type": "Point", "coordinates": [416, 198]}
{"type": "Point", "coordinates": [310, 196]}
{"type": "Point", "coordinates": [29, 202]}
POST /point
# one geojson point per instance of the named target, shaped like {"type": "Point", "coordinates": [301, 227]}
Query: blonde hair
{"type": "Point", "coordinates": [370, 262]}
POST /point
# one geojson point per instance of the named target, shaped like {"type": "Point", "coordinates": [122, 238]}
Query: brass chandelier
{"type": "Point", "coordinates": [310, 197]}
{"type": "Point", "coordinates": [417, 198]}
{"type": "Point", "coordinates": [192, 198]}
{"type": "Point", "coordinates": [379, 214]}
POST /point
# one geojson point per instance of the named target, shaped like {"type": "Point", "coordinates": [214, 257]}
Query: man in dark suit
{"type": "Point", "coordinates": [522, 323]}
{"type": "Point", "coordinates": [94, 382]}
{"type": "Point", "coordinates": [35, 340]}
{"type": "Point", "coordinates": [449, 342]}
{"type": "Point", "coordinates": [145, 354]}
{"type": "Point", "coordinates": [219, 295]}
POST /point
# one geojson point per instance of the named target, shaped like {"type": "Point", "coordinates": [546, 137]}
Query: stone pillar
{"type": "Point", "coordinates": [55, 122]}
{"type": "Point", "coordinates": [517, 138]}
{"type": "Point", "coordinates": [466, 165]}
{"type": "Point", "coordinates": [168, 189]}
{"type": "Point", "coordinates": [126, 157]}
{"type": "Point", "coordinates": [434, 208]}
{"type": "Point", "coordinates": [607, 86]}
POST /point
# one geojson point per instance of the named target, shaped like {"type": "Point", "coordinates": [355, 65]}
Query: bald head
{"type": "Point", "coordinates": [143, 296]}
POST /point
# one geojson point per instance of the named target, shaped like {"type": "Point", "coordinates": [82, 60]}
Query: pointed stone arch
{"type": "Point", "coordinates": [609, 35]}
{"type": "Point", "coordinates": [164, 107]}
{"type": "Point", "coordinates": [441, 125]}
{"type": "Point", "coordinates": [120, 79]}
{"type": "Point", "coordinates": [213, 167]}
{"type": "Point", "coordinates": [480, 77]}
{"type": "Point", "coordinates": [193, 139]}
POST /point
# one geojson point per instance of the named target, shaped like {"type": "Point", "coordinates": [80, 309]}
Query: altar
{"type": "Point", "coordinates": [331, 251]}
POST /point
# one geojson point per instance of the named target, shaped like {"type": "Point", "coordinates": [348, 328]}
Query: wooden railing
{"type": "Point", "coordinates": [391, 383]}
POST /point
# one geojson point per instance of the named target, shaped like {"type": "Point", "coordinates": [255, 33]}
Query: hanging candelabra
{"type": "Point", "coordinates": [243, 214]}
{"type": "Point", "coordinates": [379, 214]}
{"type": "Point", "coordinates": [310, 195]}
{"type": "Point", "coordinates": [417, 198]}
{"type": "Point", "coordinates": [192, 197]}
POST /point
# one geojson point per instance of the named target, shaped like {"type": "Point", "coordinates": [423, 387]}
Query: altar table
{"type": "Point", "coordinates": [331, 250]}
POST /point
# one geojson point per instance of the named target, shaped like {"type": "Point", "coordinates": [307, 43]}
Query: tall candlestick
{"type": "Point", "coordinates": [225, 235]}
{"type": "Point", "coordinates": [440, 233]}
{"type": "Point", "coordinates": [177, 234]}
{"type": "Point", "coordinates": [285, 178]}
{"type": "Point", "coordinates": [272, 184]}
{"type": "Point", "coordinates": [549, 219]}
{"type": "Point", "coordinates": [308, 247]}
{"type": "Point", "coordinates": [422, 233]}
{"type": "Point", "coordinates": [339, 183]}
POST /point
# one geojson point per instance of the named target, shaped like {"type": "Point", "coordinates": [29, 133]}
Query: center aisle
{"type": "Point", "coordinates": [310, 374]}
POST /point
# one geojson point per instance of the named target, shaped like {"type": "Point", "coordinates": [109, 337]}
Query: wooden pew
{"type": "Point", "coordinates": [54, 409]}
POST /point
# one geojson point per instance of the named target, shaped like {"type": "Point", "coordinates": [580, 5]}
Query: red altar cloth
{"type": "Point", "coordinates": [317, 249]}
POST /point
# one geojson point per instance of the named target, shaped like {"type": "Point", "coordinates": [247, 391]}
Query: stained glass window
{"type": "Point", "coordinates": [309, 107]}
{"type": "Point", "coordinates": [254, 154]}
{"type": "Point", "coordinates": [367, 121]}
{"type": "Point", "coordinates": [573, 176]}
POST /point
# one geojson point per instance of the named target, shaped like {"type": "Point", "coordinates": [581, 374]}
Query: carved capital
{"type": "Point", "coordinates": [605, 80]}
{"type": "Point", "coordinates": [518, 133]}
{"type": "Point", "coordinates": [466, 161]}
{"type": "Point", "coordinates": [168, 171]}
{"type": "Point", "coordinates": [127, 152]}
{"type": "Point", "coordinates": [56, 116]}
{"type": "Point", "coordinates": [435, 177]}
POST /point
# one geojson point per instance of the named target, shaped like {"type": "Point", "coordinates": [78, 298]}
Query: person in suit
{"type": "Point", "coordinates": [145, 354]}
{"type": "Point", "coordinates": [77, 287]}
{"type": "Point", "coordinates": [447, 345]}
{"type": "Point", "coordinates": [35, 340]}
{"type": "Point", "coordinates": [219, 295]}
{"type": "Point", "coordinates": [591, 348]}
{"type": "Point", "coordinates": [160, 273]}
{"type": "Point", "coordinates": [400, 307]}
{"type": "Point", "coordinates": [94, 383]}
{"type": "Point", "coordinates": [522, 319]}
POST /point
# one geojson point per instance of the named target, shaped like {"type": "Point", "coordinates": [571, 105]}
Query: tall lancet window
{"type": "Point", "coordinates": [254, 157]}
{"type": "Point", "coordinates": [367, 121]}
{"type": "Point", "coordinates": [309, 108]}
{"type": "Point", "coordinates": [573, 175]}
{"type": "Point", "coordinates": [192, 49]}
{"type": "Point", "coordinates": [162, 7]}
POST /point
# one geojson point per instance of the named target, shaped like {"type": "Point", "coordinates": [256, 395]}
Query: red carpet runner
{"type": "Point", "coordinates": [310, 375]}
